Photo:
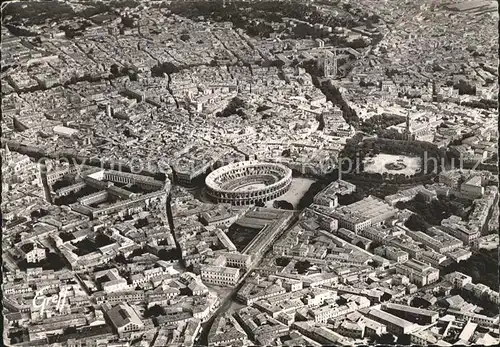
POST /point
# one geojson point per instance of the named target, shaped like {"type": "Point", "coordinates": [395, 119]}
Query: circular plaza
{"type": "Point", "coordinates": [392, 164]}
{"type": "Point", "coordinates": [248, 182]}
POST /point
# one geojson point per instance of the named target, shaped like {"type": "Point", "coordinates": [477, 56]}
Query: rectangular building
{"type": "Point", "coordinates": [394, 324]}
{"type": "Point", "coordinates": [412, 314]}
{"type": "Point", "coordinates": [418, 272]}
{"type": "Point", "coordinates": [220, 275]}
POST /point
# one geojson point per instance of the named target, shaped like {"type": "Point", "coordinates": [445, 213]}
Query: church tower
{"type": "Point", "coordinates": [407, 129]}
{"type": "Point", "coordinates": [8, 154]}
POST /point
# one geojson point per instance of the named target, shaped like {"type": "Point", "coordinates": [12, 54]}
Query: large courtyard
{"type": "Point", "coordinates": [392, 164]}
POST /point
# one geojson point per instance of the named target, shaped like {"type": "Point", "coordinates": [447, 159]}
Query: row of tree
{"type": "Point", "coordinates": [483, 104]}
{"type": "Point", "coordinates": [331, 92]}
{"type": "Point", "coordinates": [380, 122]}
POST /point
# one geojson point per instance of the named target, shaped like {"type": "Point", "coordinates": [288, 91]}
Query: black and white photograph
{"type": "Point", "coordinates": [203, 173]}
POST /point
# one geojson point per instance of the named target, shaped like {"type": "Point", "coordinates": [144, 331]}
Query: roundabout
{"type": "Point", "coordinates": [395, 166]}
{"type": "Point", "coordinates": [248, 182]}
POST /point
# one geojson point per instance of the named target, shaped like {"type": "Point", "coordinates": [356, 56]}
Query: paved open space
{"type": "Point", "coordinates": [299, 187]}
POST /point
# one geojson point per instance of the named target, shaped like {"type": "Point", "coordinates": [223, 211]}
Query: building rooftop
{"type": "Point", "coordinates": [391, 318]}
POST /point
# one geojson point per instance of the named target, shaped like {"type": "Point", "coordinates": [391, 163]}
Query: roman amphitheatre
{"type": "Point", "coordinates": [248, 182]}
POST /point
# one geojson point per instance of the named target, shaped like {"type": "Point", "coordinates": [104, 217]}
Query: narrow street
{"type": "Point", "coordinates": [226, 302]}
{"type": "Point", "coordinates": [223, 307]}
{"type": "Point", "coordinates": [46, 188]}
{"type": "Point", "coordinates": [485, 229]}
